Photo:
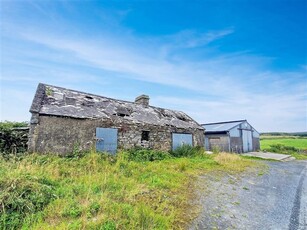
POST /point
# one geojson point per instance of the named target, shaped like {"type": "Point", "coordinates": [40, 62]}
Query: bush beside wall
{"type": "Point", "coordinates": [12, 139]}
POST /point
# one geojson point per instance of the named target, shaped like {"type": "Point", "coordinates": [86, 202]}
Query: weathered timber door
{"type": "Point", "coordinates": [180, 139]}
{"type": "Point", "coordinates": [106, 140]}
{"type": "Point", "coordinates": [247, 140]}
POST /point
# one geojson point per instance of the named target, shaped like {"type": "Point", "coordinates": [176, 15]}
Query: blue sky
{"type": "Point", "coordinates": [215, 60]}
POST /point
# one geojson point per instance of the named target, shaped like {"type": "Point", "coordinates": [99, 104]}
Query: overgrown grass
{"type": "Point", "coordinates": [97, 191]}
{"type": "Point", "coordinates": [187, 151]}
{"type": "Point", "coordinates": [231, 162]}
{"type": "Point", "coordinates": [296, 147]}
{"type": "Point", "coordinates": [140, 154]}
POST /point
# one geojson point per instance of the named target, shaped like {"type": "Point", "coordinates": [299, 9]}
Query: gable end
{"type": "Point", "coordinates": [38, 98]}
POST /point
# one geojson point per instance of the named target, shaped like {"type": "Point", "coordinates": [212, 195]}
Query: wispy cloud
{"type": "Point", "coordinates": [263, 111]}
{"type": "Point", "coordinates": [130, 60]}
{"type": "Point", "coordinates": [192, 38]}
{"type": "Point", "coordinates": [226, 86]}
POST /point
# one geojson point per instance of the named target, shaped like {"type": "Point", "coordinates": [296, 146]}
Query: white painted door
{"type": "Point", "coordinates": [250, 141]}
{"type": "Point", "coordinates": [106, 140]}
{"type": "Point", "coordinates": [247, 141]}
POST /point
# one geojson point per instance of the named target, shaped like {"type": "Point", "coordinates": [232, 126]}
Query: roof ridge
{"type": "Point", "coordinates": [224, 122]}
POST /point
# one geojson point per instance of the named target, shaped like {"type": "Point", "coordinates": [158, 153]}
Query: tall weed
{"type": "Point", "coordinates": [147, 155]}
{"type": "Point", "coordinates": [187, 151]}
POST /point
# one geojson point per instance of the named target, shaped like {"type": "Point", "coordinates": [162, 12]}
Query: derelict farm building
{"type": "Point", "coordinates": [232, 136]}
{"type": "Point", "coordinates": [64, 119]}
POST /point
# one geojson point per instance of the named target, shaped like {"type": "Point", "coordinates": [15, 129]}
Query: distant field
{"type": "Point", "coordinates": [300, 143]}
{"type": "Point", "coordinates": [282, 137]}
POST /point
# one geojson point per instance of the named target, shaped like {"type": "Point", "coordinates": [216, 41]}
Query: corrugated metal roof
{"type": "Point", "coordinates": [221, 126]}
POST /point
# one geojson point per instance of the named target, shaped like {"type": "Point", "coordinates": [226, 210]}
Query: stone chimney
{"type": "Point", "coordinates": [142, 100]}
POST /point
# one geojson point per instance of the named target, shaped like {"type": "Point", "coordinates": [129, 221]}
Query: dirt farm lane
{"type": "Point", "coordinates": [272, 198]}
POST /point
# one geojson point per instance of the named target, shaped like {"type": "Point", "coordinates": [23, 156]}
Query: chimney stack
{"type": "Point", "coordinates": [142, 100]}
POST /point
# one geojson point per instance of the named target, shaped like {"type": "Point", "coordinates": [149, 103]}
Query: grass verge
{"type": "Point", "coordinates": [101, 192]}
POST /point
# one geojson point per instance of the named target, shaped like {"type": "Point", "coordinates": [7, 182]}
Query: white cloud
{"type": "Point", "coordinates": [229, 87]}
{"type": "Point", "coordinates": [213, 74]}
{"type": "Point", "coordinates": [264, 112]}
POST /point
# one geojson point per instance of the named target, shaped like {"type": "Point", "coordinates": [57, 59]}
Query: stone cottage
{"type": "Point", "coordinates": [63, 120]}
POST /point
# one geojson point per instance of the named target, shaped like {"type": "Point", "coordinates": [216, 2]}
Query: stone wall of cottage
{"type": "Point", "coordinates": [61, 135]}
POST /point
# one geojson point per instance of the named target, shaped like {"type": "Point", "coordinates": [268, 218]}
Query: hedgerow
{"type": "Point", "coordinates": [13, 140]}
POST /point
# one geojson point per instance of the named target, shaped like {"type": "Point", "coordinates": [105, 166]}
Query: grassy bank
{"type": "Point", "coordinates": [101, 192]}
{"type": "Point", "coordinates": [295, 146]}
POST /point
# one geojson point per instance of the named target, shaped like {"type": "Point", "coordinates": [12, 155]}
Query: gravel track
{"type": "Point", "coordinates": [274, 199]}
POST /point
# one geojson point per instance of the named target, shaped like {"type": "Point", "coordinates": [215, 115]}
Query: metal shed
{"type": "Point", "coordinates": [231, 136]}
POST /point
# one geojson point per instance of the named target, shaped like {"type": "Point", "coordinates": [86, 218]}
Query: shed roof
{"type": "Point", "coordinates": [222, 126]}
{"type": "Point", "coordinates": [58, 101]}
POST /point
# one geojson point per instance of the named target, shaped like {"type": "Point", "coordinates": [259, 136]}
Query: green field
{"type": "Point", "coordinates": [295, 146]}
{"type": "Point", "coordinates": [300, 143]}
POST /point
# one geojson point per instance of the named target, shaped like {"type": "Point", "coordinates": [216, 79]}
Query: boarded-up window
{"type": "Point", "coordinates": [180, 139]}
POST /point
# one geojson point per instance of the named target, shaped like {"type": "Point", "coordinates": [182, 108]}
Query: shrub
{"type": "Point", "coordinates": [13, 141]}
{"type": "Point", "coordinates": [282, 148]}
{"type": "Point", "coordinates": [279, 148]}
{"type": "Point", "coordinates": [187, 151]}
